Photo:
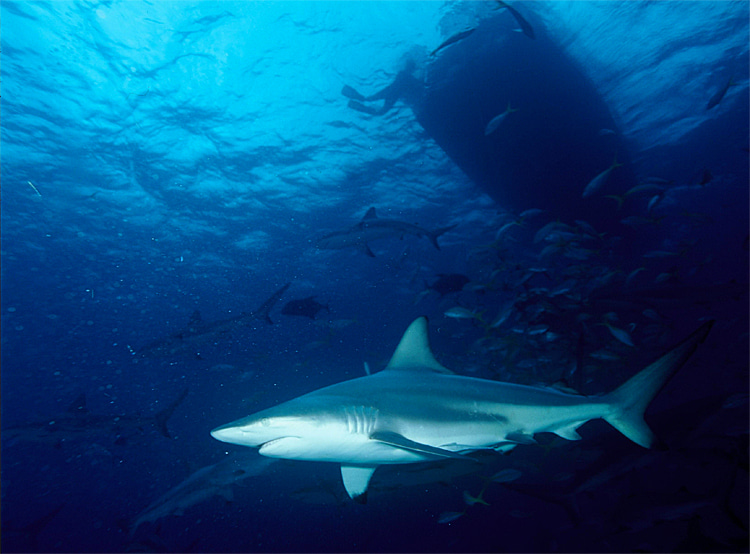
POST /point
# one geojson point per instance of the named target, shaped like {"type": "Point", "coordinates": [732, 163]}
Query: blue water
{"type": "Point", "coordinates": [164, 157]}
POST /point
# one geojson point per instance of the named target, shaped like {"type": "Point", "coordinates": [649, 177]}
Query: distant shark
{"type": "Point", "coordinates": [215, 480]}
{"type": "Point", "coordinates": [199, 332]}
{"type": "Point", "coordinates": [416, 410]}
{"type": "Point", "coordinates": [371, 228]}
{"type": "Point", "coordinates": [77, 422]}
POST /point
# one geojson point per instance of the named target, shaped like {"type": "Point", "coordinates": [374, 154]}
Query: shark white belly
{"type": "Point", "coordinates": [416, 410]}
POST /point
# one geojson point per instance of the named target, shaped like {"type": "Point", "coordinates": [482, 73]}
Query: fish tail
{"type": "Point", "coordinates": [615, 163]}
{"type": "Point", "coordinates": [433, 236]}
{"type": "Point", "coordinates": [629, 401]}
{"type": "Point", "coordinates": [510, 110]}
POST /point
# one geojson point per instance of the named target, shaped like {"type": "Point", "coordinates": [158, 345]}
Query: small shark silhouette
{"type": "Point", "coordinates": [371, 228]}
{"type": "Point", "coordinates": [217, 479]}
{"type": "Point", "coordinates": [77, 422]}
{"type": "Point", "coordinates": [199, 332]}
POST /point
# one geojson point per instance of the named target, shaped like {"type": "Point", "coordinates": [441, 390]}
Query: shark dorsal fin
{"type": "Point", "coordinates": [413, 352]}
{"type": "Point", "coordinates": [195, 318]}
{"type": "Point", "coordinates": [371, 214]}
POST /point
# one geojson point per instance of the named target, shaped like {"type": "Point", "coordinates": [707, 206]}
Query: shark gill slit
{"type": "Point", "coordinates": [360, 420]}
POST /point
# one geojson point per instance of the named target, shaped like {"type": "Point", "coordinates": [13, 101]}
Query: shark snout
{"type": "Point", "coordinates": [233, 434]}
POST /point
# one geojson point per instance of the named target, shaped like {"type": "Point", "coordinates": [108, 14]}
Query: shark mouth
{"type": "Point", "coordinates": [272, 442]}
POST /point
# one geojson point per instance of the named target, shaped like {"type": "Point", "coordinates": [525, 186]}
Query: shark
{"type": "Point", "coordinates": [416, 410]}
{"type": "Point", "coordinates": [77, 422]}
{"type": "Point", "coordinates": [214, 480]}
{"type": "Point", "coordinates": [371, 228]}
{"type": "Point", "coordinates": [199, 332]}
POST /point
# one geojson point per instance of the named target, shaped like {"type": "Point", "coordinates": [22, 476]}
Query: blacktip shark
{"type": "Point", "coordinates": [371, 228]}
{"type": "Point", "coordinates": [416, 410]}
{"type": "Point", "coordinates": [200, 332]}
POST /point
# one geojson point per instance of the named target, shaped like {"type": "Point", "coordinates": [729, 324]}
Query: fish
{"type": "Point", "coordinates": [214, 480]}
{"type": "Point", "coordinates": [506, 476]}
{"type": "Point", "coordinates": [447, 517]}
{"type": "Point", "coordinates": [471, 500]}
{"type": "Point", "coordinates": [597, 182]}
{"type": "Point", "coordinates": [306, 307]}
{"type": "Point", "coordinates": [620, 334]}
{"type": "Point", "coordinates": [527, 29]}
{"type": "Point", "coordinates": [459, 312]}
{"type": "Point", "coordinates": [719, 95]}
{"type": "Point", "coordinates": [78, 423]}
{"type": "Point", "coordinates": [199, 332]}
{"type": "Point", "coordinates": [452, 40]}
{"type": "Point", "coordinates": [416, 410]}
{"type": "Point", "coordinates": [448, 283]}
{"type": "Point", "coordinates": [371, 228]}
{"type": "Point", "coordinates": [497, 120]}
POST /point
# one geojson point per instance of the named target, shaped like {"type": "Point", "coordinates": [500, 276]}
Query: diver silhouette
{"type": "Point", "coordinates": [405, 86]}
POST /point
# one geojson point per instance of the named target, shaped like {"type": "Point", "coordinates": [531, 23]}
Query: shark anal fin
{"type": "Point", "coordinates": [356, 480]}
{"type": "Point", "coordinates": [570, 432]}
{"type": "Point", "coordinates": [399, 441]}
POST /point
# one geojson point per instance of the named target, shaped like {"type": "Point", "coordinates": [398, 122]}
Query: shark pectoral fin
{"type": "Point", "coordinates": [367, 251]}
{"type": "Point", "coordinates": [356, 479]}
{"type": "Point", "coordinates": [399, 441]}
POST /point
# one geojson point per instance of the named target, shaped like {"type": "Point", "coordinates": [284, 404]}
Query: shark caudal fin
{"type": "Point", "coordinates": [163, 416]}
{"type": "Point", "coordinates": [433, 236]}
{"type": "Point", "coordinates": [629, 401]}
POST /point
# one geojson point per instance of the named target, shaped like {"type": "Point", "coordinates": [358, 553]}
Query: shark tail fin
{"type": "Point", "coordinates": [629, 401]}
{"type": "Point", "coordinates": [163, 416]}
{"type": "Point", "coordinates": [433, 236]}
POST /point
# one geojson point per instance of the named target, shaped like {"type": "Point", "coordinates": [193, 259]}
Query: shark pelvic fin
{"type": "Point", "coordinates": [356, 480]}
{"type": "Point", "coordinates": [413, 352]}
{"type": "Point", "coordinates": [399, 441]}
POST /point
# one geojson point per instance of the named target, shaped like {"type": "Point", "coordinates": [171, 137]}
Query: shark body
{"type": "Point", "coordinates": [416, 410]}
{"type": "Point", "coordinates": [78, 423]}
{"type": "Point", "coordinates": [371, 228]}
{"type": "Point", "coordinates": [199, 332]}
{"type": "Point", "coordinates": [215, 480]}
